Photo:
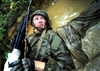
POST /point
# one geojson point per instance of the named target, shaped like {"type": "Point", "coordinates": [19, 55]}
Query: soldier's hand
{"type": "Point", "coordinates": [28, 64]}
{"type": "Point", "coordinates": [17, 65]}
{"type": "Point", "coordinates": [31, 65]}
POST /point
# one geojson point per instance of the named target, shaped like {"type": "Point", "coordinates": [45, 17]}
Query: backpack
{"type": "Point", "coordinates": [72, 40]}
{"type": "Point", "coordinates": [75, 30]}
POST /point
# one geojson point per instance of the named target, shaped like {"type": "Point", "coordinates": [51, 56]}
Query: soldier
{"type": "Point", "coordinates": [46, 49]}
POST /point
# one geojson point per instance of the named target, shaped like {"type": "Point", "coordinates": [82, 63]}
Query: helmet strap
{"type": "Point", "coordinates": [39, 28]}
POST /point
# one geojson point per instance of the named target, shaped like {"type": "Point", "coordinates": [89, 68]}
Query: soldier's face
{"type": "Point", "coordinates": [39, 21]}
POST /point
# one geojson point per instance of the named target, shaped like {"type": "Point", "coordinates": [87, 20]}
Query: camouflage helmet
{"type": "Point", "coordinates": [43, 13]}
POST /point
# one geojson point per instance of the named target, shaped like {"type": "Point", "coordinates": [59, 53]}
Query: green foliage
{"type": "Point", "coordinates": [9, 1]}
{"type": "Point", "coordinates": [2, 29]}
{"type": "Point", "coordinates": [8, 7]}
{"type": "Point", "coordinates": [6, 54]}
{"type": "Point", "coordinates": [5, 13]}
{"type": "Point", "coordinates": [6, 1]}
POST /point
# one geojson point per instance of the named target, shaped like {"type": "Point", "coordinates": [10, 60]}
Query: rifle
{"type": "Point", "coordinates": [17, 43]}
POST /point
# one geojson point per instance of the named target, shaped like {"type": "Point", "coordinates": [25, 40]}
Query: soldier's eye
{"type": "Point", "coordinates": [43, 18]}
{"type": "Point", "coordinates": [36, 18]}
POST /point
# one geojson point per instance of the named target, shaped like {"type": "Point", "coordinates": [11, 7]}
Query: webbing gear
{"type": "Point", "coordinates": [40, 42]}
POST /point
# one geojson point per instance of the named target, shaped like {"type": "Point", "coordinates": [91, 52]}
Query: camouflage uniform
{"type": "Point", "coordinates": [52, 51]}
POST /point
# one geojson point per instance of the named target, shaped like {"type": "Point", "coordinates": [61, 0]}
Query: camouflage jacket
{"type": "Point", "coordinates": [52, 52]}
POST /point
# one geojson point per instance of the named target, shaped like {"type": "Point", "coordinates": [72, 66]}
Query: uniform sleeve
{"type": "Point", "coordinates": [59, 58]}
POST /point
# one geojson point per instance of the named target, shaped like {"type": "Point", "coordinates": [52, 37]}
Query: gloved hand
{"type": "Point", "coordinates": [17, 66]}
{"type": "Point", "coordinates": [28, 64]}
{"type": "Point", "coordinates": [23, 65]}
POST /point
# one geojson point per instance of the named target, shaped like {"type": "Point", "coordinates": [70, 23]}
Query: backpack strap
{"type": "Point", "coordinates": [40, 42]}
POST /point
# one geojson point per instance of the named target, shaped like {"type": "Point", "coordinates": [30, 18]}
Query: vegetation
{"type": "Point", "coordinates": [10, 10]}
